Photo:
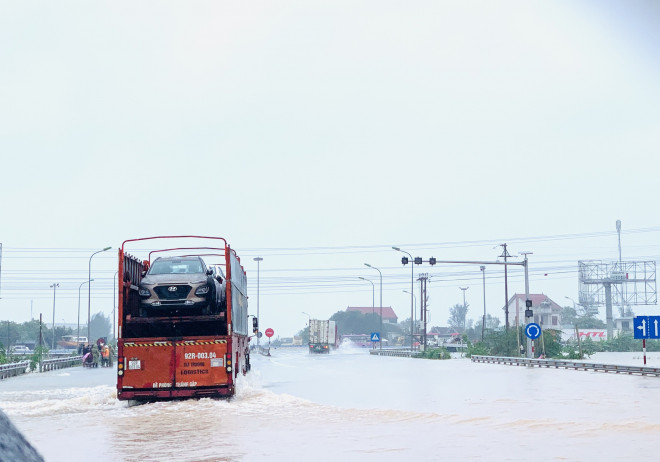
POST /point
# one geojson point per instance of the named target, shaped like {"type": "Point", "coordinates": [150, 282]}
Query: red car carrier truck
{"type": "Point", "coordinates": [182, 323]}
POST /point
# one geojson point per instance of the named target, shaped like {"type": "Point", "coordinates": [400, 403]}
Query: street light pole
{"type": "Point", "coordinates": [79, 287]}
{"type": "Point", "coordinates": [373, 302]}
{"type": "Point", "coordinates": [412, 290]}
{"type": "Point", "coordinates": [89, 291]}
{"type": "Point", "coordinates": [52, 345]}
{"type": "Point", "coordinates": [381, 303]}
{"type": "Point", "coordinates": [414, 298]}
{"type": "Point", "coordinates": [464, 289]}
{"type": "Point", "coordinates": [574, 304]}
{"type": "Point", "coordinates": [258, 260]}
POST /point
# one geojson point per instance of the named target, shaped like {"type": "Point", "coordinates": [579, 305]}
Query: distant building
{"type": "Point", "coordinates": [441, 335]}
{"type": "Point", "coordinates": [546, 312]}
{"type": "Point", "coordinates": [624, 324]}
{"type": "Point", "coordinates": [296, 340]}
{"type": "Point", "coordinates": [389, 316]}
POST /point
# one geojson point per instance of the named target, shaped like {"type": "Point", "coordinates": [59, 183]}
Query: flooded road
{"type": "Point", "coordinates": [350, 406]}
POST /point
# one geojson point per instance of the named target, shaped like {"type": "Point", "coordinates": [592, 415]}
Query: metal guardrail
{"type": "Point", "coordinates": [60, 363]}
{"type": "Point", "coordinates": [575, 365]}
{"type": "Point", "coordinates": [398, 352]}
{"type": "Point", "coordinates": [21, 367]}
{"type": "Point", "coordinates": [265, 351]}
{"type": "Point", "coordinates": [13, 369]}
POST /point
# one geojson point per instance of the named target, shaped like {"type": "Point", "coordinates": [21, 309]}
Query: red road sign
{"type": "Point", "coordinates": [269, 332]}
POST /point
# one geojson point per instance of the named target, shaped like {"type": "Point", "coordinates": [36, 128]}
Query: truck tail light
{"type": "Point", "coordinates": [120, 365]}
{"type": "Point", "coordinates": [228, 364]}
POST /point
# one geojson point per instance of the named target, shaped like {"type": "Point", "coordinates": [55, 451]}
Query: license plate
{"type": "Point", "coordinates": [217, 362]}
{"type": "Point", "coordinates": [134, 364]}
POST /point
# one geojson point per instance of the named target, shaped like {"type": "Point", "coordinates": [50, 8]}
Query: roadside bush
{"type": "Point", "coordinates": [35, 356]}
{"type": "Point", "coordinates": [435, 353]}
{"type": "Point", "coordinates": [479, 349]}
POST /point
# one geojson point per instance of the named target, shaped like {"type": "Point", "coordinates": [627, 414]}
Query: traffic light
{"type": "Point", "coordinates": [432, 260]}
{"type": "Point", "coordinates": [418, 260]}
{"type": "Point", "coordinates": [404, 260]}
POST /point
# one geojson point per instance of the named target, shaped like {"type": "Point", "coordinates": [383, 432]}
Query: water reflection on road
{"type": "Point", "coordinates": [351, 406]}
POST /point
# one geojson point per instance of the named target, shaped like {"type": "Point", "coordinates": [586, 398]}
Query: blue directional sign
{"type": "Point", "coordinates": [646, 327]}
{"type": "Point", "coordinates": [533, 330]}
{"type": "Point", "coordinates": [375, 336]}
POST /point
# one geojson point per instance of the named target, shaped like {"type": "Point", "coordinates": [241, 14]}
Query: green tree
{"type": "Point", "coordinates": [582, 319]}
{"type": "Point", "coordinates": [503, 342]}
{"type": "Point", "coordinates": [549, 344]}
{"type": "Point", "coordinates": [354, 322]}
{"type": "Point", "coordinates": [457, 317]}
{"type": "Point", "coordinates": [589, 322]}
{"type": "Point", "coordinates": [304, 333]}
{"type": "Point", "coordinates": [29, 331]}
{"type": "Point", "coordinates": [568, 316]}
{"type": "Point", "coordinates": [100, 326]}
{"type": "Point", "coordinates": [492, 322]}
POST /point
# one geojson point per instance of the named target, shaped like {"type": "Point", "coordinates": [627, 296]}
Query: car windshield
{"type": "Point", "coordinates": [176, 267]}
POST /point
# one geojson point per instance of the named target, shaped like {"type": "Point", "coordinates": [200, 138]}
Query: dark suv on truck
{"type": "Point", "coordinates": [181, 286]}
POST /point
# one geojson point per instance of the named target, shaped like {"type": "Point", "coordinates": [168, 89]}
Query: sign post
{"type": "Point", "coordinates": [375, 338]}
{"type": "Point", "coordinates": [646, 327]}
{"type": "Point", "coordinates": [269, 333]}
{"type": "Point", "coordinates": [532, 331]}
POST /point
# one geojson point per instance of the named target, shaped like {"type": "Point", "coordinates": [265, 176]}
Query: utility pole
{"type": "Point", "coordinates": [54, 286]}
{"type": "Point", "coordinates": [423, 277]}
{"type": "Point", "coordinates": [505, 255]}
{"type": "Point", "coordinates": [483, 323]}
{"type": "Point", "coordinates": [618, 230]}
{"type": "Point", "coordinates": [41, 336]}
{"type": "Point", "coordinates": [529, 314]}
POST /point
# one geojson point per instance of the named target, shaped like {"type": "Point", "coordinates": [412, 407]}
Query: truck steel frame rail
{"type": "Point", "coordinates": [575, 365]}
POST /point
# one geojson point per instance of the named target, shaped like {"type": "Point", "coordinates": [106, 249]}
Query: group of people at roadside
{"type": "Point", "coordinates": [95, 354]}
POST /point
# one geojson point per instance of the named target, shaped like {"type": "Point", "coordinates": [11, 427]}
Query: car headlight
{"type": "Point", "coordinates": [144, 292]}
{"type": "Point", "coordinates": [203, 290]}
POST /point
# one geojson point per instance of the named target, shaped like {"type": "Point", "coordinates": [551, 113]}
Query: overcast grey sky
{"type": "Point", "coordinates": [348, 125]}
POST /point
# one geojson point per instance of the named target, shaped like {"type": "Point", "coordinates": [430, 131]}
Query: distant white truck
{"type": "Point", "coordinates": [322, 335]}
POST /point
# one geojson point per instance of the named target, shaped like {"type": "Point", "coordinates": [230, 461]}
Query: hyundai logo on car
{"type": "Point", "coordinates": [172, 288]}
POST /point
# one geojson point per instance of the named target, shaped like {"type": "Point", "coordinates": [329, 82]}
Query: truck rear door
{"type": "Point", "coordinates": [148, 364]}
{"type": "Point", "coordinates": [202, 363]}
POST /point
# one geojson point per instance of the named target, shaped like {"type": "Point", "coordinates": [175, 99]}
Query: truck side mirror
{"type": "Point", "coordinates": [255, 325]}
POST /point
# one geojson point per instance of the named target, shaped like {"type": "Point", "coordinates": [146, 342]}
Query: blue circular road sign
{"type": "Point", "coordinates": [533, 330]}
